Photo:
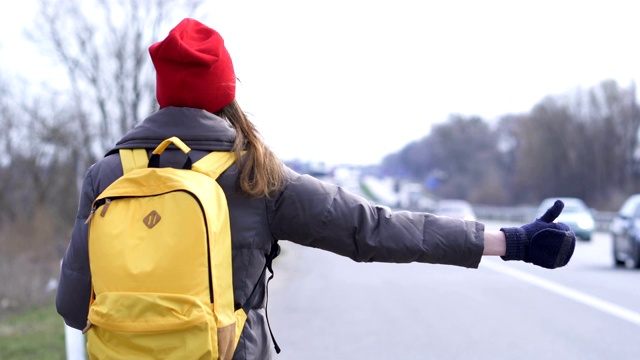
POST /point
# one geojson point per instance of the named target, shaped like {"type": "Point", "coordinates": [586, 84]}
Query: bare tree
{"type": "Point", "coordinates": [37, 192]}
{"type": "Point", "coordinates": [582, 144]}
{"type": "Point", "coordinates": [614, 121]}
{"type": "Point", "coordinates": [547, 155]}
{"type": "Point", "coordinates": [459, 155]}
{"type": "Point", "coordinates": [7, 123]}
{"type": "Point", "coordinates": [465, 149]}
{"type": "Point", "coordinates": [103, 45]}
{"type": "Point", "coordinates": [49, 140]}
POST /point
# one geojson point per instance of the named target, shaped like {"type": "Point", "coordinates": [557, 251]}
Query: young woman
{"type": "Point", "coordinates": [269, 202]}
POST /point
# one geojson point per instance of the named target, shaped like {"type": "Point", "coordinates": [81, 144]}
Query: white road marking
{"type": "Point", "coordinates": [594, 302]}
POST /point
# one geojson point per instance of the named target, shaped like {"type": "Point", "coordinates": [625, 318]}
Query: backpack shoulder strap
{"type": "Point", "coordinates": [133, 159]}
{"type": "Point", "coordinates": [275, 251]}
{"type": "Point", "coordinates": [214, 163]}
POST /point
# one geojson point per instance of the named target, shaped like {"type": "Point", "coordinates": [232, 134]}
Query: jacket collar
{"type": "Point", "coordinates": [199, 129]}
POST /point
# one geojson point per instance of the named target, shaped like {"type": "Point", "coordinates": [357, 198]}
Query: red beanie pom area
{"type": "Point", "coordinates": [193, 68]}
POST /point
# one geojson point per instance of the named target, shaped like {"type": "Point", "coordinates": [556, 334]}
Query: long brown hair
{"type": "Point", "coordinates": [261, 173]}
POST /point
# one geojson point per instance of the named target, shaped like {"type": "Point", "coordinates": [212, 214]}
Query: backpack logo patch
{"type": "Point", "coordinates": [152, 219]}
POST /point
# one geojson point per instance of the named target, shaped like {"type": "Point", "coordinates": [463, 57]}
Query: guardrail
{"type": "Point", "coordinates": [524, 214]}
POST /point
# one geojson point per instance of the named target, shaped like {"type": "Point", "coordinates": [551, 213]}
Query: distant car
{"type": "Point", "coordinates": [575, 214]}
{"type": "Point", "coordinates": [460, 209]}
{"type": "Point", "coordinates": [625, 234]}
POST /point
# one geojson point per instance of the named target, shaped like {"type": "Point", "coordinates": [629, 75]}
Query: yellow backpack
{"type": "Point", "coordinates": [160, 258]}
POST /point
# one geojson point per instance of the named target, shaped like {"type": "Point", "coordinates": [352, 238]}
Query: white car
{"type": "Point", "coordinates": [455, 208]}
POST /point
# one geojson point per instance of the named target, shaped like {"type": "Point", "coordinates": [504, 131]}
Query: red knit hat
{"type": "Point", "coordinates": [193, 68]}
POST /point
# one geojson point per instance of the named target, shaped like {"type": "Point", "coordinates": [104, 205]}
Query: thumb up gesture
{"type": "Point", "coordinates": [542, 242]}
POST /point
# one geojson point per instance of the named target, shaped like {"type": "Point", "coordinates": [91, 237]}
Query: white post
{"type": "Point", "coordinates": [74, 343]}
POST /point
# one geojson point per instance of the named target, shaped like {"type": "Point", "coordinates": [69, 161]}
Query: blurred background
{"type": "Point", "coordinates": [490, 106]}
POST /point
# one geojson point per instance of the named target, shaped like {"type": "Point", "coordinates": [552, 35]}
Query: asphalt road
{"type": "Point", "coordinates": [323, 306]}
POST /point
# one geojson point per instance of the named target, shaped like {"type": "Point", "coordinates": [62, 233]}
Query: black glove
{"type": "Point", "coordinates": [542, 242]}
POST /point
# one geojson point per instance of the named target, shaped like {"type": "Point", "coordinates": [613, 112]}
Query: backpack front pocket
{"type": "Point", "coordinates": [150, 326]}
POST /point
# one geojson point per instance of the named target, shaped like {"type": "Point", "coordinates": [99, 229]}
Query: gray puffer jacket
{"type": "Point", "coordinates": [307, 211]}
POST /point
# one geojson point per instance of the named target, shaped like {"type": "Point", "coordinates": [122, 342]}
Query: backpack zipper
{"type": "Point", "coordinates": [106, 202]}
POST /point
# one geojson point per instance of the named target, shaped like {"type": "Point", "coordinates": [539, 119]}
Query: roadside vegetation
{"type": "Point", "coordinates": [34, 333]}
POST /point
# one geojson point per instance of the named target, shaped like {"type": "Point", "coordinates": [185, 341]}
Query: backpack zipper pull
{"type": "Point", "coordinates": [87, 327]}
{"type": "Point", "coordinates": [95, 207]}
{"type": "Point", "coordinates": [93, 210]}
{"type": "Point", "coordinates": [107, 202]}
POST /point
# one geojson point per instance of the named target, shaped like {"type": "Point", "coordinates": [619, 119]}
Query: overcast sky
{"type": "Point", "coordinates": [352, 81]}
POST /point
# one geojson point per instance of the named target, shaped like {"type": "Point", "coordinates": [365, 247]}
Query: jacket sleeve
{"type": "Point", "coordinates": [317, 214]}
{"type": "Point", "coordinates": [74, 287]}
